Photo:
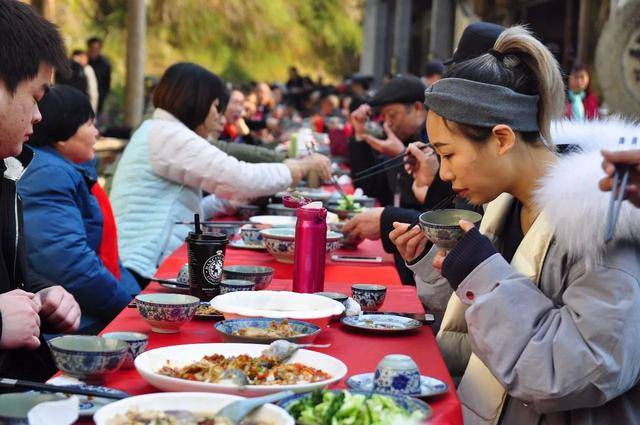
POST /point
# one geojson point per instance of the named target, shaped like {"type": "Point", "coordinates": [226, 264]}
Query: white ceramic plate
{"type": "Point", "coordinates": [274, 220]}
{"type": "Point", "coordinates": [194, 402]}
{"type": "Point", "coordinates": [278, 305]}
{"type": "Point", "coordinates": [149, 362]}
{"type": "Point", "coordinates": [240, 244]}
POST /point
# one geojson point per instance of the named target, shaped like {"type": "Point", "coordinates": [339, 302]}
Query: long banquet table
{"type": "Point", "coordinates": [359, 351]}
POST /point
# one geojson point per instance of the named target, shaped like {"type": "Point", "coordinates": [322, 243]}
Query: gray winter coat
{"type": "Point", "coordinates": [567, 347]}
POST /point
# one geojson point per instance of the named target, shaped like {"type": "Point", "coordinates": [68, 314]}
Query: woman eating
{"type": "Point", "coordinates": [544, 321]}
{"type": "Point", "coordinates": [169, 162]}
{"type": "Point", "coordinates": [70, 231]}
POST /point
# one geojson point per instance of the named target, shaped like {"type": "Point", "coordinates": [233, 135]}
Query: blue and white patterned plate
{"type": "Point", "coordinates": [240, 244]}
{"type": "Point", "coordinates": [305, 332]}
{"type": "Point", "coordinates": [381, 323]}
{"type": "Point", "coordinates": [429, 387]}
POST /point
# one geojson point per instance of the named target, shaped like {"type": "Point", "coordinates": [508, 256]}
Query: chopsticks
{"type": "Point", "coordinates": [617, 194]}
{"type": "Point", "coordinates": [30, 385]}
{"type": "Point", "coordinates": [335, 183]}
{"type": "Point", "coordinates": [231, 223]}
{"type": "Point", "coordinates": [385, 166]}
{"type": "Point", "coordinates": [440, 205]}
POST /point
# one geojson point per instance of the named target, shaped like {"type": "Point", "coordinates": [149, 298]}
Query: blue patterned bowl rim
{"type": "Point", "coordinates": [237, 283]}
{"type": "Point", "coordinates": [266, 321]}
{"type": "Point", "coordinates": [121, 347]}
{"type": "Point", "coordinates": [405, 401]}
{"type": "Point", "coordinates": [122, 336]}
{"type": "Point", "coordinates": [190, 301]}
{"type": "Point", "coordinates": [369, 287]}
{"type": "Point", "coordinates": [472, 216]}
{"type": "Point", "coordinates": [234, 269]}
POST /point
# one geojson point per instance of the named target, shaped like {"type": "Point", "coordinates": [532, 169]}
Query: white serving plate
{"type": "Point", "coordinates": [274, 220]}
{"type": "Point", "coordinates": [149, 362]}
{"type": "Point", "coordinates": [311, 308]}
{"type": "Point", "coordinates": [194, 402]}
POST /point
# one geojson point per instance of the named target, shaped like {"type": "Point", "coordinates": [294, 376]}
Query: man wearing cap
{"type": "Point", "coordinates": [400, 103]}
{"type": "Point", "coordinates": [477, 39]}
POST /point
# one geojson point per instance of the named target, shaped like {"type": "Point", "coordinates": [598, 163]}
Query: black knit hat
{"type": "Point", "coordinates": [64, 110]}
{"type": "Point", "coordinates": [400, 89]}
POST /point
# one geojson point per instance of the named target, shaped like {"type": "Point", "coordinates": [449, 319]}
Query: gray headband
{"type": "Point", "coordinates": [485, 105]}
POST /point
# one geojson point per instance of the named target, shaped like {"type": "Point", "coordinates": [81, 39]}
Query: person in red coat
{"type": "Point", "coordinates": [581, 104]}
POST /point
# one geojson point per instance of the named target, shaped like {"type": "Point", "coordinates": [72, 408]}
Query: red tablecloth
{"type": "Point", "coordinates": [360, 352]}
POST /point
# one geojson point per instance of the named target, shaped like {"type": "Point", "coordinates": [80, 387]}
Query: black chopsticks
{"type": "Point", "coordinates": [444, 202]}
{"type": "Point", "coordinates": [385, 166]}
{"type": "Point", "coordinates": [30, 385]}
{"type": "Point", "coordinates": [617, 193]}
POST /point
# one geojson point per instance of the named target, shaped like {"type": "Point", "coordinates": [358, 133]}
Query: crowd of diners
{"type": "Point", "coordinates": [538, 315]}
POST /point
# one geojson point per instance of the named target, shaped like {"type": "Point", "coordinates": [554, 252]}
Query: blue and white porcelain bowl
{"type": "Point", "coordinates": [234, 285]}
{"type": "Point", "coordinates": [280, 242]}
{"type": "Point", "coordinates": [370, 297]}
{"type": "Point", "coordinates": [166, 313]}
{"type": "Point", "coordinates": [183, 275]}
{"type": "Point", "coordinates": [229, 329]}
{"type": "Point", "coordinates": [338, 296]}
{"type": "Point", "coordinates": [397, 374]}
{"type": "Point", "coordinates": [251, 235]}
{"type": "Point", "coordinates": [228, 229]}
{"type": "Point", "coordinates": [87, 357]}
{"type": "Point", "coordinates": [441, 226]}
{"type": "Point", "coordinates": [136, 341]}
{"type": "Point", "coordinates": [260, 275]}
{"type": "Point", "coordinates": [245, 212]}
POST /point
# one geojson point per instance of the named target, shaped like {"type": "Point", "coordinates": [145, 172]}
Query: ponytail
{"type": "Point", "coordinates": [519, 42]}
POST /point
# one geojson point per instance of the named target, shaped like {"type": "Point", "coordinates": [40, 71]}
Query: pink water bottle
{"type": "Point", "coordinates": [310, 248]}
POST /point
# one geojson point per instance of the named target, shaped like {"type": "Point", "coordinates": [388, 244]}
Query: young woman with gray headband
{"type": "Point", "coordinates": [544, 322]}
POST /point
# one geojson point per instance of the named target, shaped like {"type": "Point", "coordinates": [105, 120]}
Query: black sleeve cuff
{"type": "Point", "coordinates": [389, 215]}
{"type": "Point", "coordinates": [468, 254]}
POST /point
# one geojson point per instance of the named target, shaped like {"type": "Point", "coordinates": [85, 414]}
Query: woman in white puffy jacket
{"type": "Point", "coordinates": [169, 162]}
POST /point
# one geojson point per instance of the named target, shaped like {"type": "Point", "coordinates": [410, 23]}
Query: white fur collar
{"type": "Point", "coordinates": [570, 197]}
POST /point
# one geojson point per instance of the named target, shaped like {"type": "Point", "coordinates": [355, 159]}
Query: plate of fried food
{"type": "Point", "coordinates": [262, 330]}
{"type": "Point", "coordinates": [206, 312]}
{"type": "Point", "coordinates": [241, 369]}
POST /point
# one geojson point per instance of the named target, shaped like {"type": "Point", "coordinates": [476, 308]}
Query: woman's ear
{"type": "Point", "coordinates": [505, 137]}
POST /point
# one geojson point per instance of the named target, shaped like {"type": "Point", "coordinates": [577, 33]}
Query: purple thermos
{"type": "Point", "coordinates": [310, 248]}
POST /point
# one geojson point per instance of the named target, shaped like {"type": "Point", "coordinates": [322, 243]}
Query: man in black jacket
{"type": "Point", "coordinates": [102, 69]}
{"type": "Point", "coordinates": [30, 47]}
{"type": "Point", "coordinates": [401, 103]}
{"type": "Point", "coordinates": [377, 223]}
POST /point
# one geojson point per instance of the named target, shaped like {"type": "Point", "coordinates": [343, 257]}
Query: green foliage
{"type": "Point", "coordinates": [239, 39]}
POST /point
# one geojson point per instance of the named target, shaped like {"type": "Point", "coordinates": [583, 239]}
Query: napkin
{"type": "Point", "coordinates": [61, 412]}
